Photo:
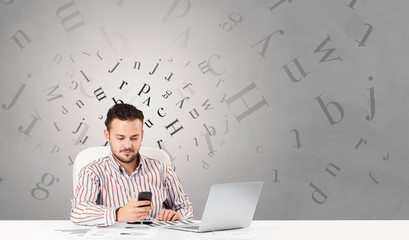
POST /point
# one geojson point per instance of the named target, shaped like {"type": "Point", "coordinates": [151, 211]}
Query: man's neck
{"type": "Point", "coordinates": [129, 167]}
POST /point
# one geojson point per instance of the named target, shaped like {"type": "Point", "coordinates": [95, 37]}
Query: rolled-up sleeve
{"type": "Point", "coordinates": [84, 209]}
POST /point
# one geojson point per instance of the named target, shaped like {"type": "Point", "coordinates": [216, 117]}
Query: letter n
{"type": "Point", "coordinates": [71, 18]}
{"type": "Point", "coordinates": [331, 169]}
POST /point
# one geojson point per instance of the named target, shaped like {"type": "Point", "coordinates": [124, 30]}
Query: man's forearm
{"type": "Point", "coordinates": [91, 215]}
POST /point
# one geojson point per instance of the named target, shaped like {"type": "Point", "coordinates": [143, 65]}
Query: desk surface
{"type": "Point", "coordinates": [315, 230]}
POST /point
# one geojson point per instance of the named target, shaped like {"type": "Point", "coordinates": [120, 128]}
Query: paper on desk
{"type": "Point", "coordinates": [116, 231]}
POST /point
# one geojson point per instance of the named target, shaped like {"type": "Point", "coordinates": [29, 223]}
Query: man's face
{"type": "Point", "coordinates": [125, 139]}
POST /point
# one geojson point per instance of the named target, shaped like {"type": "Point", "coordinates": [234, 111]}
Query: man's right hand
{"type": "Point", "coordinates": [132, 211]}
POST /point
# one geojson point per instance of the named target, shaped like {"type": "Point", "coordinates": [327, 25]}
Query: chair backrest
{"type": "Point", "coordinates": [91, 154]}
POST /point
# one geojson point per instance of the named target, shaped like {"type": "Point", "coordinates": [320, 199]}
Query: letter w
{"type": "Point", "coordinates": [328, 51]}
{"type": "Point", "coordinates": [208, 106]}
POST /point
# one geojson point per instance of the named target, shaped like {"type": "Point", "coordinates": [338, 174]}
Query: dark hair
{"type": "Point", "coordinates": [123, 111]}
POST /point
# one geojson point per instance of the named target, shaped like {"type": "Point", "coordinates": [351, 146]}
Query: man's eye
{"type": "Point", "coordinates": [134, 139]}
{"type": "Point", "coordinates": [120, 138]}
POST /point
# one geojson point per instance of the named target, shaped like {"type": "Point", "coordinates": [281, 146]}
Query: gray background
{"type": "Point", "coordinates": [308, 96]}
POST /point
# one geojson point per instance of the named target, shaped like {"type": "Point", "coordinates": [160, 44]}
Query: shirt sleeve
{"type": "Point", "coordinates": [177, 199]}
{"type": "Point", "coordinates": [84, 209]}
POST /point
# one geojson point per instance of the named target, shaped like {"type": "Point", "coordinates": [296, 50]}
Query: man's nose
{"type": "Point", "coordinates": [127, 143]}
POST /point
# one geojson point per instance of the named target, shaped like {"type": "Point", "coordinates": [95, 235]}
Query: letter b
{"type": "Point", "coordinates": [325, 109]}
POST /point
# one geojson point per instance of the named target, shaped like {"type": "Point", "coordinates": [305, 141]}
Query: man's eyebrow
{"type": "Point", "coordinates": [121, 135]}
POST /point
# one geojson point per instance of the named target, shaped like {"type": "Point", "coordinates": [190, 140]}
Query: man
{"type": "Point", "coordinates": [107, 188]}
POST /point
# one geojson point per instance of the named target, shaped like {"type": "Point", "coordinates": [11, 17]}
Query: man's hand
{"type": "Point", "coordinates": [169, 215]}
{"type": "Point", "coordinates": [131, 212]}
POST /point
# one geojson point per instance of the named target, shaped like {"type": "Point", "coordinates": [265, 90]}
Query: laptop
{"type": "Point", "coordinates": [228, 206]}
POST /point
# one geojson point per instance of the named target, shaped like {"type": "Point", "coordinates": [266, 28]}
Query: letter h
{"type": "Point", "coordinates": [249, 110]}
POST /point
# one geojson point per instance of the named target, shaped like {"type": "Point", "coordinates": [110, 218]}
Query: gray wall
{"type": "Point", "coordinates": [308, 96]}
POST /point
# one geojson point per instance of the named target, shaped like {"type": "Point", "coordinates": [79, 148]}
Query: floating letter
{"type": "Point", "coordinates": [322, 197]}
{"type": "Point", "coordinates": [328, 51]}
{"type": "Point", "coordinates": [70, 16]}
{"type": "Point", "coordinates": [372, 102]}
{"type": "Point", "coordinates": [300, 69]}
{"type": "Point", "coordinates": [352, 4]}
{"type": "Point", "coordinates": [249, 110]}
{"type": "Point", "coordinates": [331, 171]}
{"type": "Point", "coordinates": [14, 100]}
{"type": "Point", "coordinates": [186, 39]}
{"type": "Point", "coordinates": [174, 129]}
{"type": "Point", "coordinates": [112, 70]}
{"type": "Point", "coordinates": [148, 88]}
{"type": "Point", "coordinates": [266, 41]}
{"type": "Point", "coordinates": [325, 108]}
{"type": "Point", "coordinates": [100, 94]}
{"type": "Point", "coordinates": [36, 118]}
{"type": "Point", "coordinates": [53, 96]}
{"type": "Point", "coordinates": [365, 38]}
{"type": "Point", "coordinates": [154, 69]}
{"type": "Point", "coordinates": [207, 66]}
{"type": "Point", "coordinates": [23, 34]}
{"type": "Point", "coordinates": [360, 142]}
{"type": "Point", "coordinates": [277, 4]}
{"type": "Point", "coordinates": [297, 138]}
{"type": "Point", "coordinates": [173, 12]}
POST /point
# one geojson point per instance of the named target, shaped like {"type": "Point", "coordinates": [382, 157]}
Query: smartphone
{"type": "Point", "coordinates": [145, 196]}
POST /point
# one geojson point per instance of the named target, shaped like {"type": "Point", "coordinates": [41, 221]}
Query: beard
{"type": "Point", "coordinates": [131, 159]}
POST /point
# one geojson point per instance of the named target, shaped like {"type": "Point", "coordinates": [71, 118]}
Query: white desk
{"type": "Point", "coordinates": [297, 230]}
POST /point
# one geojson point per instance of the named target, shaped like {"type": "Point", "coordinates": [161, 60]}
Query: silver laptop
{"type": "Point", "coordinates": [228, 206]}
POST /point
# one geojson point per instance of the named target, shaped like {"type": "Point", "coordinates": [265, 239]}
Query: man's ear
{"type": "Point", "coordinates": [106, 134]}
{"type": "Point", "coordinates": [142, 135]}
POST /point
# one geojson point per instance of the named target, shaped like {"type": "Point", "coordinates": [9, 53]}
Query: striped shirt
{"type": "Point", "coordinates": [104, 186]}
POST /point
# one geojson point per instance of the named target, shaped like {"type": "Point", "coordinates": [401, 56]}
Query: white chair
{"type": "Point", "coordinates": [88, 155]}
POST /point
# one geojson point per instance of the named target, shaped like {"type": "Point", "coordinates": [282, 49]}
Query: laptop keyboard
{"type": "Point", "coordinates": [167, 223]}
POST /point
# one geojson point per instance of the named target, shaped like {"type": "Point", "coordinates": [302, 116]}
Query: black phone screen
{"type": "Point", "coordinates": [145, 196]}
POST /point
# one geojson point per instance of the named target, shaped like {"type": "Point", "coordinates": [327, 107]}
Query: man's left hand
{"type": "Point", "coordinates": [169, 215]}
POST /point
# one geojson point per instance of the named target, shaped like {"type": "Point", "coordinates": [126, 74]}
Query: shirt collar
{"type": "Point", "coordinates": [120, 169]}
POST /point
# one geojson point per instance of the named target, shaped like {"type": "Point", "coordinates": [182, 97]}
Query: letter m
{"type": "Point", "coordinates": [50, 94]}
{"type": "Point", "coordinates": [70, 17]}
